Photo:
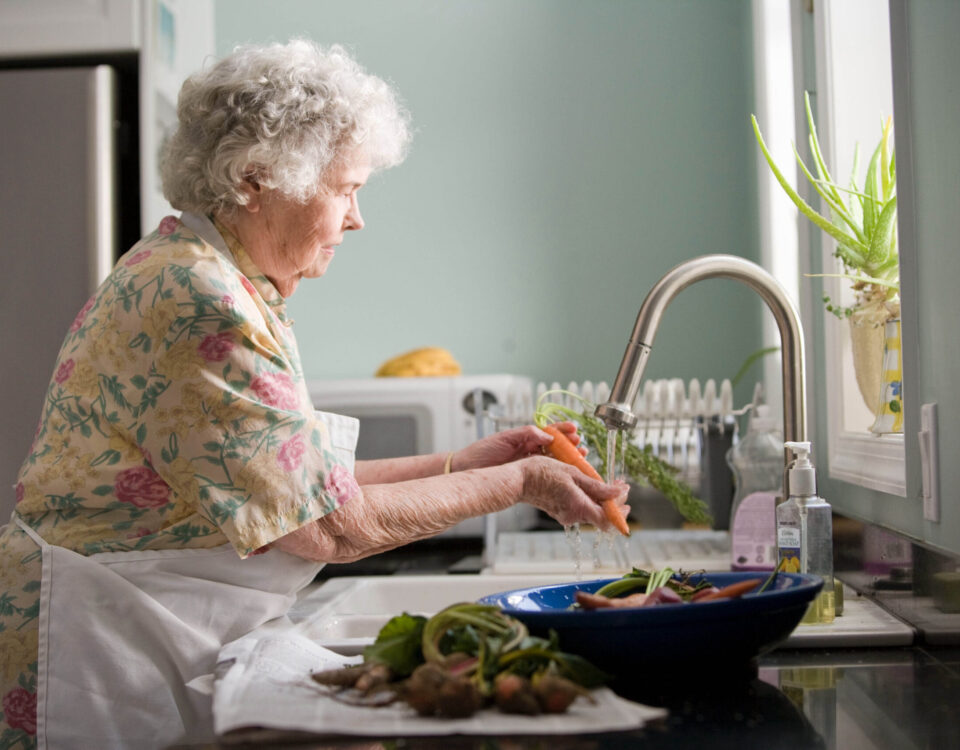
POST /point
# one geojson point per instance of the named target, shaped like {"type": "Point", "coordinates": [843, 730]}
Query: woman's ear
{"type": "Point", "coordinates": [253, 192]}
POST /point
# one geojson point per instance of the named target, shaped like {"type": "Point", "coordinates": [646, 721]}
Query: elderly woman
{"type": "Point", "coordinates": [180, 489]}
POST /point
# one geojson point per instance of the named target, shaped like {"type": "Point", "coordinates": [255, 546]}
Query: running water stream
{"type": "Point", "coordinates": [612, 455]}
{"type": "Point", "coordinates": [610, 539]}
{"type": "Point", "coordinates": [576, 547]}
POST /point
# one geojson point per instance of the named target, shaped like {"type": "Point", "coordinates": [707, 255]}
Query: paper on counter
{"type": "Point", "coordinates": [265, 682]}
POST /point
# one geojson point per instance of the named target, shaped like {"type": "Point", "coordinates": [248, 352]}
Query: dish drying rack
{"type": "Point", "coordinates": [687, 425]}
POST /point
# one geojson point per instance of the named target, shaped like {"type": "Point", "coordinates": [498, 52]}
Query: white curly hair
{"type": "Point", "coordinates": [281, 114]}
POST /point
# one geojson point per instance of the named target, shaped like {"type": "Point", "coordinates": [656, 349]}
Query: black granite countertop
{"type": "Point", "coordinates": [854, 699]}
{"type": "Point", "coordinates": [896, 698]}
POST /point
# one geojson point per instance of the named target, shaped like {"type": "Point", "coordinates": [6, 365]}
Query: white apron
{"type": "Point", "coordinates": [121, 633]}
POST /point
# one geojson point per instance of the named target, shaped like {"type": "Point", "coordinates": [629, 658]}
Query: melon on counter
{"type": "Point", "coordinates": [428, 361]}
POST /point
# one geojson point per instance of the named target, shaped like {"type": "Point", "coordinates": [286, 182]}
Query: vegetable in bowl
{"type": "Point", "coordinates": [686, 640]}
{"type": "Point", "coordinates": [663, 587]}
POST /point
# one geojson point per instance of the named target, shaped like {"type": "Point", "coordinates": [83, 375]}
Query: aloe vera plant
{"type": "Point", "coordinates": [864, 225]}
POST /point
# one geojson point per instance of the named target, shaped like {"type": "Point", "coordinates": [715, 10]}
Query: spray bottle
{"type": "Point", "coordinates": [805, 533]}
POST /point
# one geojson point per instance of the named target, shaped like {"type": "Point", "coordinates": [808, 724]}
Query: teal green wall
{"type": "Point", "coordinates": [567, 154]}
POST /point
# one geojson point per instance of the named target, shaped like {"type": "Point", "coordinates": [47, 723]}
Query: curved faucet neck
{"type": "Point", "coordinates": [618, 411]}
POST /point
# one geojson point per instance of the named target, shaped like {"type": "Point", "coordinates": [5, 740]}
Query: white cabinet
{"type": "Point", "coordinates": [171, 39]}
{"type": "Point", "coordinates": [46, 28]}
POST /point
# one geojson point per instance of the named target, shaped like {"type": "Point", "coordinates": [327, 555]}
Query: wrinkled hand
{"type": "Point", "coordinates": [567, 494]}
{"type": "Point", "coordinates": [510, 445]}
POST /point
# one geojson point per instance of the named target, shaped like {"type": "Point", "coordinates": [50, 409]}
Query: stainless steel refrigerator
{"type": "Point", "coordinates": [61, 136]}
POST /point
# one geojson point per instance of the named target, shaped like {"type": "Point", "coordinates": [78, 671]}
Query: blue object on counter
{"type": "Point", "coordinates": [679, 640]}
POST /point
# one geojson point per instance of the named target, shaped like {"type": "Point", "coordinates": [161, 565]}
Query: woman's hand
{"type": "Point", "coordinates": [383, 516]}
{"type": "Point", "coordinates": [510, 445]}
{"type": "Point", "coordinates": [567, 494]}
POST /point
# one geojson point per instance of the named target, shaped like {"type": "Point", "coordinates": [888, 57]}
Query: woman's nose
{"type": "Point", "coordinates": [353, 219]}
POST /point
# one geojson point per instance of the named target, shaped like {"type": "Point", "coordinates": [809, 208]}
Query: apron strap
{"type": "Point", "coordinates": [41, 542]}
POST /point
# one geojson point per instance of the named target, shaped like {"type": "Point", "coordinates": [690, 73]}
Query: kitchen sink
{"type": "Point", "coordinates": [345, 614]}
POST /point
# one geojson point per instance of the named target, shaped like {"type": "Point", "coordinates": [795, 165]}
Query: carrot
{"type": "Point", "coordinates": [592, 601]}
{"type": "Point", "coordinates": [564, 450]}
{"type": "Point", "coordinates": [732, 591]}
{"type": "Point", "coordinates": [589, 601]}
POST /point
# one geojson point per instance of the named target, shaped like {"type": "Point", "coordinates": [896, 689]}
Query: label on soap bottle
{"type": "Point", "coordinates": [788, 543]}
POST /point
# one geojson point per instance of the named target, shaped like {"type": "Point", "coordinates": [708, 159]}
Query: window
{"type": "Point", "coordinates": [850, 81]}
{"type": "Point", "coordinates": [854, 92]}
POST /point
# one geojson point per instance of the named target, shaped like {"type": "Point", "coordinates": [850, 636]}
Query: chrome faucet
{"type": "Point", "coordinates": [617, 412]}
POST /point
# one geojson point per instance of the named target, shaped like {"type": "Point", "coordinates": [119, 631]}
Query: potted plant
{"type": "Point", "coordinates": [863, 221]}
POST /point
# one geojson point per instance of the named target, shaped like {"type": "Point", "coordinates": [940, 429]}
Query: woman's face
{"type": "Point", "coordinates": [288, 240]}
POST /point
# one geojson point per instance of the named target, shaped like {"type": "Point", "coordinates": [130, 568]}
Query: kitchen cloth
{"type": "Point", "coordinates": [263, 680]}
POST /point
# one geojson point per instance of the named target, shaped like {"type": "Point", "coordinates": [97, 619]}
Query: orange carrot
{"type": "Point", "coordinates": [590, 601]}
{"type": "Point", "coordinates": [732, 591]}
{"type": "Point", "coordinates": [564, 450]}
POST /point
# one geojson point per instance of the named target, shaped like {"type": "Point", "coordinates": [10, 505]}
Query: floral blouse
{"type": "Point", "coordinates": [177, 417]}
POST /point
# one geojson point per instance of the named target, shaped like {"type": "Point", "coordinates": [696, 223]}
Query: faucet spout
{"type": "Point", "coordinates": [618, 412]}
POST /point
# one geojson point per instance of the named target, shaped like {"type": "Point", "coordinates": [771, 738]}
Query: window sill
{"type": "Point", "coordinates": [873, 461]}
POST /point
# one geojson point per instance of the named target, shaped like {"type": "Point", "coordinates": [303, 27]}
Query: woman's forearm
{"type": "Point", "coordinates": [387, 470]}
{"type": "Point", "coordinates": [385, 516]}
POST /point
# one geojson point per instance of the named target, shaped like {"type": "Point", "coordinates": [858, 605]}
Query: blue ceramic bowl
{"type": "Point", "coordinates": [693, 638]}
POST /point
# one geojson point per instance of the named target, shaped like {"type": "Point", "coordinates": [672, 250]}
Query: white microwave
{"type": "Point", "coordinates": [414, 416]}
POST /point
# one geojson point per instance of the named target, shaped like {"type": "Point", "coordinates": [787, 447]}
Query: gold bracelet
{"type": "Point", "coordinates": [448, 464]}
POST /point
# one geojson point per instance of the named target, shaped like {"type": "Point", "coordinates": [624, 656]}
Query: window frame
{"type": "Point", "coordinates": [854, 456]}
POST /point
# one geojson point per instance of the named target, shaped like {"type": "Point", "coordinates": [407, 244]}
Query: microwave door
{"type": "Point", "coordinates": [390, 432]}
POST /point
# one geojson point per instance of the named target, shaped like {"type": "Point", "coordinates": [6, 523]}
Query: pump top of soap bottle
{"type": "Point", "coordinates": [802, 477]}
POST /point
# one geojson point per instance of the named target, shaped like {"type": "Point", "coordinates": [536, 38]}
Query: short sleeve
{"type": "Point", "coordinates": [226, 420]}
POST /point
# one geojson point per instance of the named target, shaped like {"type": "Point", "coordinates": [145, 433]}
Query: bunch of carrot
{"type": "Point", "coordinates": [563, 449]}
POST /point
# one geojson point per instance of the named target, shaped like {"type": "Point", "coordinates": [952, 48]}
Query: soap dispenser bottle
{"type": "Point", "coordinates": [805, 533]}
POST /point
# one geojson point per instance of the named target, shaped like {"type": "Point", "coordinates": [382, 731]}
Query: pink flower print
{"type": "Point", "coordinates": [341, 484]}
{"type": "Point", "coordinates": [137, 258]}
{"type": "Point", "coordinates": [20, 491]}
{"type": "Point", "coordinates": [142, 487]}
{"type": "Point", "coordinates": [248, 286]}
{"type": "Point", "coordinates": [227, 301]}
{"type": "Point", "coordinates": [20, 710]}
{"type": "Point", "coordinates": [276, 389]}
{"type": "Point", "coordinates": [64, 371]}
{"type": "Point", "coordinates": [141, 532]}
{"type": "Point", "coordinates": [168, 225]}
{"type": "Point", "coordinates": [81, 316]}
{"type": "Point", "coordinates": [291, 453]}
{"type": "Point", "coordinates": [216, 347]}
